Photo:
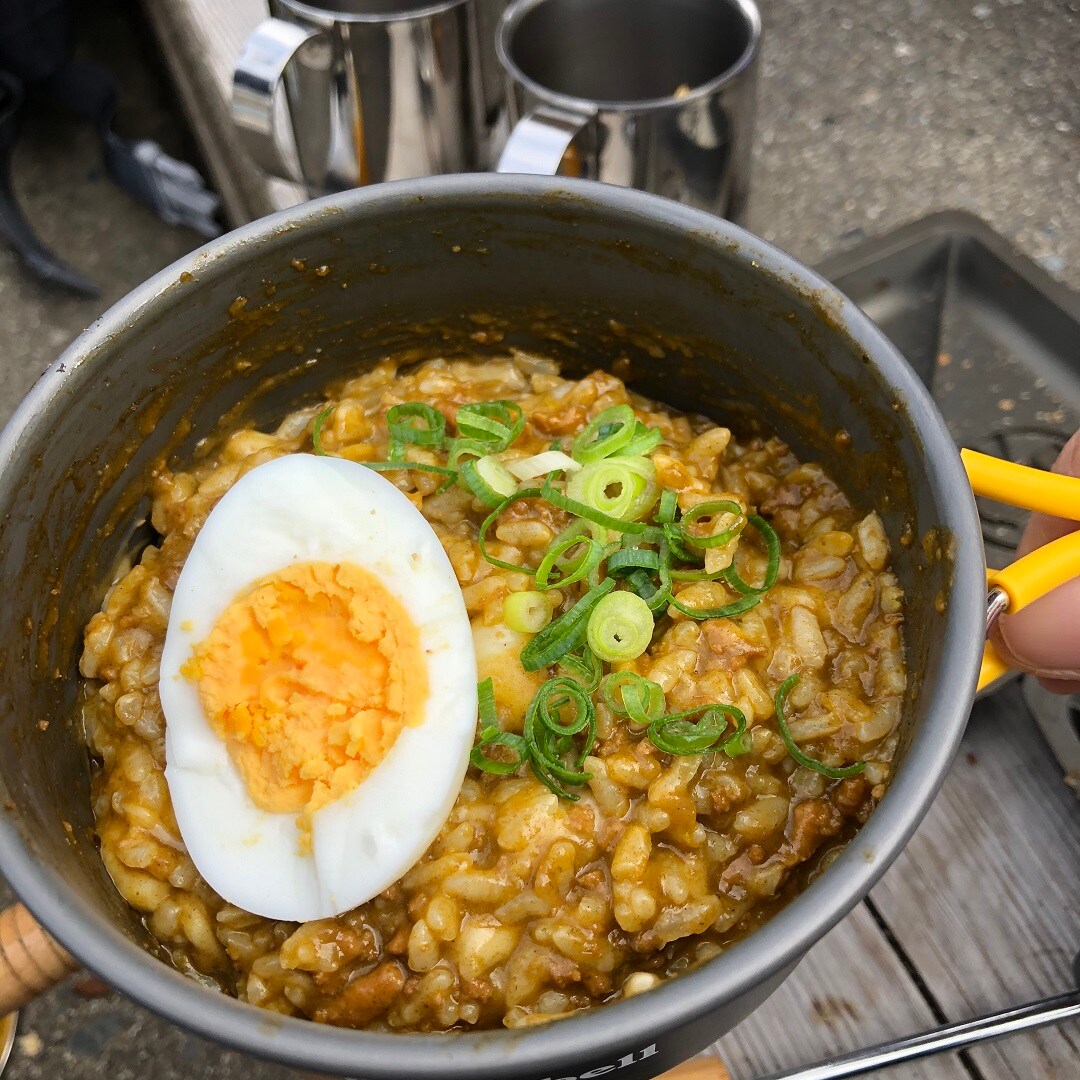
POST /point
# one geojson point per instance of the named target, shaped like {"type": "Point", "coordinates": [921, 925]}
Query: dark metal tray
{"type": "Point", "coordinates": [992, 334]}
{"type": "Point", "coordinates": [997, 340]}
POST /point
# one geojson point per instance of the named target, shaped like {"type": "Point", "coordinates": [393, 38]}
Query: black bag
{"type": "Point", "coordinates": [36, 58]}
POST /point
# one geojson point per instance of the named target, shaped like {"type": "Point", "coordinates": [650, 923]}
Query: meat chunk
{"type": "Point", "coordinates": [365, 999]}
{"type": "Point", "coordinates": [811, 822]}
{"type": "Point", "coordinates": [722, 645]}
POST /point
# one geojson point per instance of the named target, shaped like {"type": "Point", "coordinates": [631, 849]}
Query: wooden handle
{"type": "Point", "coordinates": [699, 1068]}
{"type": "Point", "coordinates": [31, 962]}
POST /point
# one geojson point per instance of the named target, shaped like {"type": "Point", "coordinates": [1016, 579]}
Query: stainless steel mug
{"type": "Point", "coordinates": [352, 92]}
{"type": "Point", "coordinates": [652, 94]}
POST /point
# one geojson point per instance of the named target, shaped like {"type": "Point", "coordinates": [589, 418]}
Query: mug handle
{"type": "Point", "coordinates": [31, 962]}
{"type": "Point", "coordinates": [1025, 580]}
{"type": "Point", "coordinates": [540, 140]}
{"type": "Point", "coordinates": [265, 64]}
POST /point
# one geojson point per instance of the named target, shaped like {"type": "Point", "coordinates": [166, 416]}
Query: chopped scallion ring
{"type": "Point", "coordinates": [606, 434]}
{"type": "Point", "coordinates": [488, 480]}
{"type": "Point", "coordinates": [402, 465]}
{"type": "Point", "coordinates": [566, 633]}
{"type": "Point", "coordinates": [711, 509]}
{"type": "Point", "coordinates": [584, 666]}
{"type": "Point", "coordinates": [674, 539]}
{"type": "Point", "coordinates": [542, 464]}
{"type": "Point", "coordinates": [491, 735]}
{"type": "Point", "coordinates": [550, 738]}
{"type": "Point", "coordinates": [620, 627]}
{"type": "Point", "coordinates": [416, 423]}
{"type": "Point", "coordinates": [627, 559]}
{"type": "Point", "coordinates": [316, 431]}
{"type": "Point", "coordinates": [800, 756]}
{"type": "Point", "coordinates": [589, 513]}
{"type": "Point", "coordinates": [726, 611]}
{"type": "Point", "coordinates": [621, 487]}
{"type": "Point", "coordinates": [527, 612]}
{"type": "Point", "coordinates": [462, 448]}
{"type": "Point", "coordinates": [495, 424]}
{"type": "Point", "coordinates": [669, 504]}
{"type": "Point", "coordinates": [644, 441]}
{"type": "Point", "coordinates": [657, 597]}
{"type": "Point", "coordinates": [626, 693]}
{"type": "Point", "coordinates": [677, 734]}
{"type": "Point", "coordinates": [571, 564]}
{"type": "Point", "coordinates": [527, 493]}
{"type": "Point", "coordinates": [772, 548]}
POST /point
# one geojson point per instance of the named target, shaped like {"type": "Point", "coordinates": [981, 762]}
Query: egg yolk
{"type": "Point", "coordinates": [310, 678]}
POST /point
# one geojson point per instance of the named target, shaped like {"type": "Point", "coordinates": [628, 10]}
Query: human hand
{"type": "Point", "coordinates": [1044, 638]}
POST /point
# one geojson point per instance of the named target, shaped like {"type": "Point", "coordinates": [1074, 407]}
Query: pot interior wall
{"type": "Point", "coordinates": [702, 332]}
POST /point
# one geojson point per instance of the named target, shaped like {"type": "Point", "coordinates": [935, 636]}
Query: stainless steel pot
{"type": "Point", "coordinates": [699, 313]}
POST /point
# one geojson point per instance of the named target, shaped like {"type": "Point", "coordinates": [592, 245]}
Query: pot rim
{"type": "Point", "coordinates": [611, 1029]}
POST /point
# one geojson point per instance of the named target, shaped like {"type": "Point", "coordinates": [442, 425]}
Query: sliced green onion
{"type": "Point", "coordinates": [462, 448]}
{"type": "Point", "coordinates": [584, 666]}
{"type": "Point", "coordinates": [621, 487]}
{"type": "Point", "coordinates": [550, 738]}
{"type": "Point", "coordinates": [496, 424]}
{"type": "Point", "coordinates": [645, 440]}
{"type": "Point", "coordinates": [488, 480]}
{"type": "Point", "coordinates": [589, 513]}
{"type": "Point", "coordinates": [626, 693]}
{"type": "Point", "coordinates": [738, 743]}
{"type": "Point", "coordinates": [792, 747]}
{"type": "Point", "coordinates": [567, 632]}
{"type": "Point", "coordinates": [527, 493]}
{"type": "Point", "coordinates": [627, 559]}
{"type": "Point", "coordinates": [725, 611]}
{"type": "Point", "coordinates": [674, 540]}
{"type": "Point", "coordinates": [703, 575]}
{"type": "Point", "coordinates": [402, 465]}
{"type": "Point", "coordinates": [669, 504]}
{"type": "Point", "coordinates": [527, 612]}
{"type": "Point", "coordinates": [485, 702]}
{"type": "Point", "coordinates": [416, 423]}
{"type": "Point", "coordinates": [772, 548]}
{"type": "Point", "coordinates": [571, 567]}
{"type": "Point", "coordinates": [491, 735]}
{"type": "Point", "coordinates": [316, 431]}
{"type": "Point", "coordinates": [541, 464]}
{"type": "Point", "coordinates": [620, 627]}
{"type": "Point", "coordinates": [709, 509]}
{"type": "Point", "coordinates": [606, 434]}
{"type": "Point", "coordinates": [656, 596]}
{"type": "Point", "coordinates": [677, 734]}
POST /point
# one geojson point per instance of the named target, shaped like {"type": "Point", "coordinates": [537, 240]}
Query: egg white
{"type": "Point", "coordinates": [294, 509]}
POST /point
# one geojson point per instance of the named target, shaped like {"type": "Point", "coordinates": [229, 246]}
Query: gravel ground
{"type": "Point", "coordinates": [870, 116]}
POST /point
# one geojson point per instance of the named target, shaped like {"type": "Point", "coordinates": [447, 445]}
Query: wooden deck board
{"type": "Point", "coordinates": [985, 900]}
{"type": "Point", "coordinates": [850, 991]}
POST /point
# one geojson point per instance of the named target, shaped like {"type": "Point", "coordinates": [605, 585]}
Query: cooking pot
{"type": "Point", "coordinates": [696, 312]}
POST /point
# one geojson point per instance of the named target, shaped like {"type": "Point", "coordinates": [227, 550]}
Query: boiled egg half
{"type": "Point", "coordinates": [319, 689]}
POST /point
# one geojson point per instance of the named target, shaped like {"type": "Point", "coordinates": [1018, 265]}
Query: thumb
{"type": "Point", "coordinates": [1044, 638]}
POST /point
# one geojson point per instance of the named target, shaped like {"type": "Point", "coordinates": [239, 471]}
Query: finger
{"type": "Point", "coordinates": [1044, 638]}
{"type": "Point", "coordinates": [1042, 528]}
{"type": "Point", "coordinates": [1060, 686]}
